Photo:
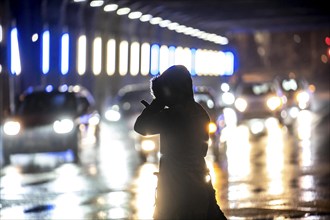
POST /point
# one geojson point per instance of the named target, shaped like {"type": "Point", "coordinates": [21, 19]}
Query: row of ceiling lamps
{"type": "Point", "coordinates": [164, 23]}
{"type": "Point", "coordinates": [144, 58]}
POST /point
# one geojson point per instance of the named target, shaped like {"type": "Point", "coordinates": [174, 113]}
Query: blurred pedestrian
{"type": "Point", "coordinates": [183, 189]}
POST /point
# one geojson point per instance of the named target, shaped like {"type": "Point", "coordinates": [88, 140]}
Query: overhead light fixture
{"type": "Point", "coordinates": [135, 15]}
{"type": "Point", "coordinates": [123, 11]}
{"type": "Point", "coordinates": [96, 3]}
{"type": "Point", "coordinates": [110, 7]}
{"type": "Point", "coordinates": [145, 18]}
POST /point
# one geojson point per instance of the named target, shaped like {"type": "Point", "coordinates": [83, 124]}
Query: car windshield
{"type": "Point", "coordinates": [47, 103]}
{"type": "Point", "coordinates": [257, 89]}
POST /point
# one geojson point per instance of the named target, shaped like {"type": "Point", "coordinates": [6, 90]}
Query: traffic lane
{"type": "Point", "coordinates": [48, 187]}
{"type": "Point", "coordinates": [280, 174]}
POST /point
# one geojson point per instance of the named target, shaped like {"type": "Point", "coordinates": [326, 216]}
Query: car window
{"type": "Point", "coordinates": [47, 103]}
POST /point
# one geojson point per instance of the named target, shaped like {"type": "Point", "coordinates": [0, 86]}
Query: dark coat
{"type": "Point", "coordinates": [182, 189]}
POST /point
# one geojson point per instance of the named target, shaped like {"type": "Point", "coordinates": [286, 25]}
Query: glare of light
{"type": "Point", "coordinates": [187, 58]}
{"type": "Point", "coordinates": [171, 51]}
{"type": "Point", "coordinates": [188, 30]}
{"type": "Point", "coordinates": [135, 58]}
{"type": "Point", "coordinates": [229, 63]}
{"type": "Point", "coordinates": [304, 125]}
{"type": "Point", "coordinates": [273, 103]}
{"type": "Point", "coordinates": [49, 88]}
{"type": "Point", "coordinates": [179, 28]}
{"type": "Point", "coordinates": [163, 58]}
{"type": "Point", "coordinates": [145, 59]}
{"type": "Point", "coordinates": [123, 11]}
{"type": "Point", "coordinates": [123, 58]}
{"type": "Point", "coordinates": [1, 33]}
{"type": "Point", "coordinates": [241, 104]}
{"type": "Point", "coordinates": [96, 3]}
{"type": "Point", "coordinates": [35, 37]}
{"type": "Point", "coordinates": [112, 115]}
{"type": "Point", "coordinates": [135, 15]}
{"type": "Point", "coordinates": [0, 68]}
{"type": "Point", "coordinates": [15, 60]}
{"type": "Point", "coordinates": [225, 87]}
{"type": "Point", "coordinates": [110, 7]}
{"type": "Point", "coordinates": [145, 18]}
{"type": "Point", "coordinates": [154, 59]}
{"type": "Point", "coordinates": [164, 23]}
{"type": "Point", "coordinates": [81, 55]}
{"type": "Point", "coordinates": [172, 26]}
{"type": "Point", "coordinates": [212, 127]}
{"type": "Point", "coordinates": [199, 60]}
{"type": "Point", "coordinates": [179, 56]}
{"type": "Point", "coordinates": [45, 52]}
{"type": "Point", "coordinates": [228, 98]}
{"type": "Point", "coordinates": [239, 170]}
{"type": "Point", "coordinates": [111, 56]}
{"type": "Point", "coordinates": [145, 186]}
{"type": "Point", "coordinates": [256, 126]}
{"type": "Point", "coordinates": [155, 20]}
{"type": "Point", "coordinates": [79, 1]}
{"type": "Point", "coordinates": [97, 55]}
{"type": "Point", "coordinates": [94, 120]}
{"type": "Point", "coordinates": [65, 54]}
{"type": "Point", "coordinates": [274, 157]}
{"type": "Point", "coordinates": [63, 126]}
{"type": "Point", "coordinates": [148, 145]}
{"type": "Point", "coordinates": [11, 128]}
{"type": "Point", "coordinates": [303, 99]}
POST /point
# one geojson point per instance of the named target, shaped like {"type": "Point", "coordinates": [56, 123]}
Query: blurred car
{"type": "Point", "coordinates": [52, 120]}
{"type": "Point", "coordinates": [126, 107]}
{"type": "Point", "coordinates": [258, 98]}
{"type": "Point", "coordinates": [299, 96]}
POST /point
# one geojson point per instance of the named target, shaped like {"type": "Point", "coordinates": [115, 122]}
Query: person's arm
{"type": "Point", "coordinates": [150, 120]}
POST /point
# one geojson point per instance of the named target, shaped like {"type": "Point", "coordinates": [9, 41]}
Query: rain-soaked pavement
{"type": "Point", "coordinates": [277, 176]}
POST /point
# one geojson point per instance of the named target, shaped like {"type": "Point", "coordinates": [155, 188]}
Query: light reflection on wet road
{"type": "Point", "coordinates": [276, 176]}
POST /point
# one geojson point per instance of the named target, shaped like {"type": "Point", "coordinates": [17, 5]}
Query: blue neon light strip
{"type": "Point", "coordinates": [45, 52]}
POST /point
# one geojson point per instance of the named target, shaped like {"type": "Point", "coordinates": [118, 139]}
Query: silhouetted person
{"type": "Point", "coordinates": [183, 191]}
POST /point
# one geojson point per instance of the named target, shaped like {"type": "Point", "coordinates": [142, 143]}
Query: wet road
{"type": "Point", "coordinates": [277, 176]}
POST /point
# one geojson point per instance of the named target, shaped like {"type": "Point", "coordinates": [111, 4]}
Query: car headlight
{"type": "Point", "coordinates": [63, 126]}
{"type": "Point", "coordinates": [303, 99]}
{"type": "Point", "coordinates": [212, 127]}
{"type": "Point", "coordinates": [228, 98]}
{"type": "Point", "coordinates": [148, 145]}
{"type": "Point", "coordinates": [112, 115]}
{"type": "Point", "coordinates": [241, 104]}
{"type": "Point", "coordinates": [273, 103]}
{"type": "Point", "coordinates": [11, 128]}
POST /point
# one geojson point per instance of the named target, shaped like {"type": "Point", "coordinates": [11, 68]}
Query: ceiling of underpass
{"type": "Point", "coordinates": [225, 17]}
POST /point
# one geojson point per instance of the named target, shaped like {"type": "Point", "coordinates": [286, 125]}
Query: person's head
{"type": "Point", "coordinates": [173, 86]}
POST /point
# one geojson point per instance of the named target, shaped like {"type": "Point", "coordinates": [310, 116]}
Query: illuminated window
{"type": "Point", "coordinates": [145, 59]}
{"type": "Point", "coordinates": [15, 59]}
{"type": "Point", "coordinates": [163, 58]}
{"type": "Point", "coordinates": [123, 58]}
{"type": "Point", "coordinates": [81, 55]}
{"type": "Point", "coordinates": [179, 56]}
{"type": "Point", "coordinates": [45, 52]}
{"type": "Point", "coordinates": [171, 55]}
{"type": "Point", "coordinates": [65, 54]}
{"type": "Point", "coordinates": [154, 59]}
{"type": "Point", "coordinates": [187, 58]}
{"type": "Point", "coordinates": [97, 56]}
{"type": "Point", "coordinates": [1, 33]}
{"type": "Point", "coordinates": [135, 58]}
{"type": "Point", "coordinates": [111, 57]}
{"type": "Point", "coordinates": [229, 63]}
